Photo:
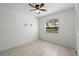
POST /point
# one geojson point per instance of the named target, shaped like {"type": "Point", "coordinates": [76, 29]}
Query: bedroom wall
{"type": "Point", "coordinates": [66, 34]}
{"type": "Point", "coordinates": [13, 31]}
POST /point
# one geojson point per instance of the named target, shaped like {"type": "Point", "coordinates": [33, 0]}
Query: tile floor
{"type": "Point", "coordinates": [39, 48]}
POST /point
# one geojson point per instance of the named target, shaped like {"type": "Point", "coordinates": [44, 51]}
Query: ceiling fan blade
{"type": "Point", "coordinates": [31, 5]}
{"type": "Point", "coordinates": [43, 9]}
{"type": "Point", "coordinates": [42, 4]}
{"type": "Point", "coordinates": [32, 10]}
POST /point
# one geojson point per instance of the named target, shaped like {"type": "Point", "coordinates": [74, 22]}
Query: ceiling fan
{"type": "Point", "coordinates": [37, 7]}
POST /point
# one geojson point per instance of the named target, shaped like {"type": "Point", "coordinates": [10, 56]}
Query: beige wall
{"type": "Point", "coordinates": [13, 31]}
{"type": "Point", "coordinates": [66, 34]}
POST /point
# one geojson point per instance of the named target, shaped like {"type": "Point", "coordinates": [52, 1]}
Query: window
{"type": "Point", "coordinates": [52, 26]}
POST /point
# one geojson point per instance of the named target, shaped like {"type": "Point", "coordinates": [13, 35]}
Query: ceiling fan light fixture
{"type": "Point", "coordinates": [38, 11]}
{"type": "Point", "coordinates": [37, 7]}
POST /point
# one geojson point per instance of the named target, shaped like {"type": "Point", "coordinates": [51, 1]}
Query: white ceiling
{"type": "Point", "coordinates": [51, 8]}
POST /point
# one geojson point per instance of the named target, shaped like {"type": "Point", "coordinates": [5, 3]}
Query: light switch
{"type": "Point", "coordinates": [25, 24]}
